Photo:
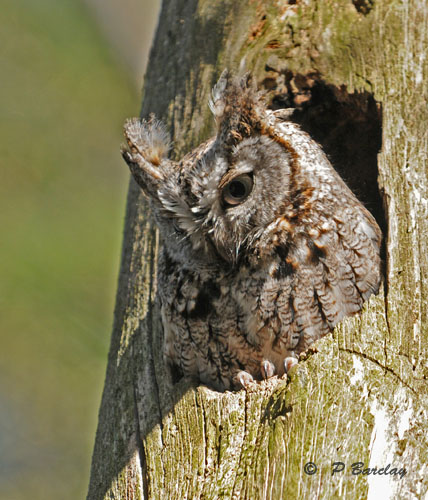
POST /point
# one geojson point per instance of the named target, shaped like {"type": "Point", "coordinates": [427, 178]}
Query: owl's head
{"type": "Point", "coordinates": [215, 204]}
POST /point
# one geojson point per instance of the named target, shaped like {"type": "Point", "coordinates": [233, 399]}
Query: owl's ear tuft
{"type": "Point", "coordinates": [237, 107]}
{"type": "Point", "coordinates": [145, 151]}
{"type": "Point", "coordinates": [148, 138]}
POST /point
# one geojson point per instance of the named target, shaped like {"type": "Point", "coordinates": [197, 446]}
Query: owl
{"type": "Point", "coordinates": [265, 249]}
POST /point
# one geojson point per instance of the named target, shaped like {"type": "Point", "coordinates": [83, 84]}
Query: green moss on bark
{"type": "Point", "coordinates": [361, 394]}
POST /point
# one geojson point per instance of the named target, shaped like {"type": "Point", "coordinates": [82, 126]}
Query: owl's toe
{"type": "Point", "coordinates": [243, 379]}
{"type": "Point", "coordinates": [267, 368]}
{"type": "Point", "coordinates": [289, 362]}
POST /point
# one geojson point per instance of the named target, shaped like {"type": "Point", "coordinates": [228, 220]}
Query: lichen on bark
{"type": "Point", "coordinates": [361, 393]}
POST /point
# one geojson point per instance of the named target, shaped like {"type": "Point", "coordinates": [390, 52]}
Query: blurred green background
{"type": "Point", "coordinates": [67, 83]}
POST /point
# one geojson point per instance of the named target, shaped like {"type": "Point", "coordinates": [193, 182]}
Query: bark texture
{"type": "Point", "coordinates": [361, 394]}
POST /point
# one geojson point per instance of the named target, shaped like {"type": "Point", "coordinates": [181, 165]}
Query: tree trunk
{"type": "Point", "coordinates": [356, 72]}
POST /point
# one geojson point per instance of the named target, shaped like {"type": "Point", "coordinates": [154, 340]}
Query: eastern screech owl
{"type": "Point", "coordinates": [265, 249]}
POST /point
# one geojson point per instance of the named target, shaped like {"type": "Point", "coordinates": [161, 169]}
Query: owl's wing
{"type": "Point", "coordinates": [329, 250]}
{"type": "Point", "coordinates": [335, 268]}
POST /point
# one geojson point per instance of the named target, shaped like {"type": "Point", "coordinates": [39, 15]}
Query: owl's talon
{"type": "Point", "coordinates": [244, 379]}
{"type": "Point", "coordinates": [267, 368]}
{"type": "Point", "coordinates": [265, 248]}
{"type": "Point", "coordinates": [289, 362]}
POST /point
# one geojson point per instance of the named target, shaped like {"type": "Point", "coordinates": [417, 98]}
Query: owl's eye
{"type": "Point", "coordinates": [237, 190]}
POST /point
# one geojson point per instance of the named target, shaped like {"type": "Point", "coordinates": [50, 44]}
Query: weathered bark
{"type": "Point", "coordinates": [362, 395]}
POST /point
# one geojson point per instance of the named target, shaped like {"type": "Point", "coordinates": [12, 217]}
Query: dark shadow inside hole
{"type": "Point", "coordinates": [348, 126]}
{"type": "Point", "coordinates": [363, 6]}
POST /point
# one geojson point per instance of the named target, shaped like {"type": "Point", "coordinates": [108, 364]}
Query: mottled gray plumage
{"type": "Point", "coordinates": [265, 247]}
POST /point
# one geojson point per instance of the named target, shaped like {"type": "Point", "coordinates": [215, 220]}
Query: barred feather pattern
{"type": "Point", "coordinates": [265, 248]}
